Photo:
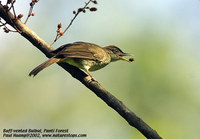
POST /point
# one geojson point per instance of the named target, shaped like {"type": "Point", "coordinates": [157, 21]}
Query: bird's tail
{"type": "Point", "coordinates": [47, 63]}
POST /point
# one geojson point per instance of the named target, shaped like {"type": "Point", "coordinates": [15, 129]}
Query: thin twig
{"type": "Point", "coordinates": [12, 6]}
{"type": "Point", "coordinates": [29, 13]}
{"type": "Point", "coordinates": [77, 13]}
{"type": "Point", "coordinates": [33, 2]}
{"type": "Point", "coordinates": [8, 30]}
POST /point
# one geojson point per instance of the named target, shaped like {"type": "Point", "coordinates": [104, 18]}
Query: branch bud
{"type": "Point", "coordinates": [93, 9]}
{"type": "Point", "coordinates": [59, 25]}
{"type": "Point", "coordinates": [20, 16]}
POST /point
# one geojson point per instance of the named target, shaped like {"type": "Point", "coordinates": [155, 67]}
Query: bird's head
{"type": "Point", "coordinates": [116, 53]}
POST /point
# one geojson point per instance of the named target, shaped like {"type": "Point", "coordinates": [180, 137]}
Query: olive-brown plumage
{"type": "Point", "coordinates": [86, 56]}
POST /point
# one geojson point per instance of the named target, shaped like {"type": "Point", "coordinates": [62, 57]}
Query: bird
{"type": "Point", "coordinates": [85, 56]}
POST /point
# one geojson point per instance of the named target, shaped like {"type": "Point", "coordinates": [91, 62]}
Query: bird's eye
{"type": "Point", "coordinates": [115, 51]}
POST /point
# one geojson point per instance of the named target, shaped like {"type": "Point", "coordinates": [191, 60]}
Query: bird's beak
{"type": "Point", "coordinates": [125, 54]}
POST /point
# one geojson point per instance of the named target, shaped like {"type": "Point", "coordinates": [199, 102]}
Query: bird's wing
{"type": "Point", "coordinates": [80, 50]}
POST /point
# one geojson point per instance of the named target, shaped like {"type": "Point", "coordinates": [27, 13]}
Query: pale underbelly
{"type": "Point", "coordinates": [84, 64]}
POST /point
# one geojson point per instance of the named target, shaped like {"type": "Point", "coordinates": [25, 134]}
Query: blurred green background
{"type": "Point", "coordinates": [162, 86]}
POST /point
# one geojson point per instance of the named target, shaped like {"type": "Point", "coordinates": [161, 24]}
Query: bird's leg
{"type": "Point", "coordinates": [90, 75]}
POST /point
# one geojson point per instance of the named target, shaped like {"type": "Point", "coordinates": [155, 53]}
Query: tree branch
{"type": "Point", "coordinates": [94, 86]}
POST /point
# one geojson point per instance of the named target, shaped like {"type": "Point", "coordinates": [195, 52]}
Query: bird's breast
{"type": "Point", "coordinates": [86, 64]}
{"type": "Point", "coordinates": [89, 64]}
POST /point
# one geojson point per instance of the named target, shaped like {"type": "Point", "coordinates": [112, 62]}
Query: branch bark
{"type": "Point", "coordinates": [94, 86]}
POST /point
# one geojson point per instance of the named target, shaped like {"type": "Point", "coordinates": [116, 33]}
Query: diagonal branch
{"type": "Point", "coordinates": [94, 86]}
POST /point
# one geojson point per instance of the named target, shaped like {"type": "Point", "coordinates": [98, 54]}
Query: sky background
{"type": "Point", "coordinates": [161, 86]}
